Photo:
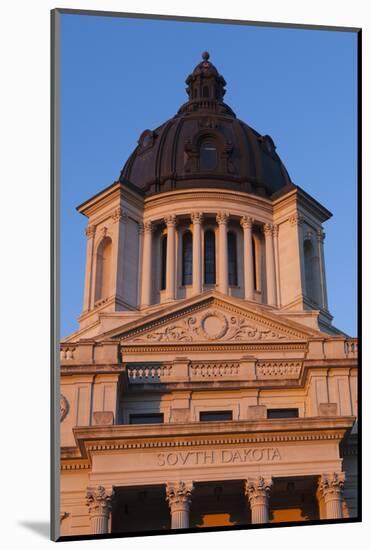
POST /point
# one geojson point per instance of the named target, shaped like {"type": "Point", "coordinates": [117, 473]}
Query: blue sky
{"type": "Point", "coordinates": [121, 76]}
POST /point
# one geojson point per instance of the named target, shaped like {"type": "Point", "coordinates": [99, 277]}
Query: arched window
{"type": "Point", "coordinates": [208, 155]}
{"type": "Point", "coordinates": [254, 257]}
{"type": "Point", "coordinates": [209, 258]}
{"type": "Point", "coordinates": [195, 93]}
{"type": "Point", "coordinates": [187, 259]}
{"type": "Point", "coordinates": [232, 259]}
{"type": "Point", "coordinates": [163, 262]}
{"type": "Point", "coordinates": [103, 269]}
{"type": "Point", "coordinates": [257, 262]}
{"type": "Point", "coordinates": [205, 91]}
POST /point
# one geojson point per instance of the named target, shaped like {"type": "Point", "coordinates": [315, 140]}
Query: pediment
{"type": "Point", "coordinates": [212, 319]}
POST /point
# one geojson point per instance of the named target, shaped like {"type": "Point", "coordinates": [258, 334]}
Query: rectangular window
{"type": "Point", "coordinates": [155, 418]}
{"type": "Point", "coordinates": [215, 416]}
{"type": "Point", "coordinates": [283, 413]}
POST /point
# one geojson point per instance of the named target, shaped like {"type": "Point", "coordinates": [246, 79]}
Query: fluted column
{"type": "Point", "coordinates": [270, 265]}
{"type": "Point", "coordinates": [322, 272]}
{"type": "Point", "coordinates": [330, 488]}
{"type": "Point", "coordinates": [99, 500]}
{"type": "Point", "coordinates": [178, 496]}
{"type": "Point", "coordinates": [248, 261]}
{"type": "Point", "coordinates": [147, 264]}
{"type": "Point", "coordinates": [197, 252]}
{"type": "Point", "coordinates": [90, 232]}
{"type": "Point", "coordinates": [257, 491]}
{"type": "Point", "coordinates": [170, 256]}
{"type": "Point", "coordinates": [118, 260]}
{"type": "Point", "coordinates": [277, 265]}
{"type": "Point", "coordinates": [222, 220]}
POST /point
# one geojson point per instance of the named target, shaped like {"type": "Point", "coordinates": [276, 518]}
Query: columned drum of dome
{"type": "Point", "coordinates": [207, 385]}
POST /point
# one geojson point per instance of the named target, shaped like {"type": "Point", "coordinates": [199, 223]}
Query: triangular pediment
{"type": "Point", "coordinates": [211, 318]}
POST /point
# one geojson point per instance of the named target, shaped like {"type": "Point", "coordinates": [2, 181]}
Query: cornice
{"type": "Point", "coordinates": [157, 348]}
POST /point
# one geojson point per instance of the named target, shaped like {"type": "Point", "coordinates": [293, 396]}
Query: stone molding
{"type": "Point", "coordinates": [296, 219]}
{"type": "Point", "coordinates": [119, 215]}
{"type": "Point", "coordinates": [64, 407]}
{"type": "Point", "coordinates": [178, 348]}
{"type": "Point", "coordinates": [90, 231]}
{"type": "Point", "coordinates": [279, 369]}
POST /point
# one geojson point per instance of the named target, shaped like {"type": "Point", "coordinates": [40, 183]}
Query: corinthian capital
{"type": "Point", "coordinates": [268, 229]}
{"type": "Point", "coordinates": [170, 220]}
{"type": "Point", "coordinates": [148, 227]}
{"type": "Point", "coordinates": [321, 235]}
{"type": "Point", "coordinates": [296, 219]}
{"type": "Point", "coordinates": [179, 493]}
{"type": "Point", "coordinates": [90, 231]}
{"type": "Point", "coordinates": [99, 500]}
{"type": "Point", "coordinates": [258, 490]}
{"type": "Point", "coordinates": [119, 215]}
{"type": "Point", "coordinates": [197, 217]}
{"type": "Point", "coordinates": [222, 218]}
{"type": "Point", "coordinates": [331, 484]}
{"type": "Point", "coordinates": [246, 222]}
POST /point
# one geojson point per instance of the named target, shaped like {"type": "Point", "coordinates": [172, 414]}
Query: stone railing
{"type": "Point", "coordinates": [208, 370]}
{"type": "Point", "coordinates": [148, 374]}
{"type": "Point", "coordinates": [278, 369]}
{"type": "Point", "coordinates": [67, 353]}
{"type": "Point", "coordinates": [351, 347]}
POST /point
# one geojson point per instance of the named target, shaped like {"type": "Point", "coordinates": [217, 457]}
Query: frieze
{"type": "Point", "coordinates": [218, 456]}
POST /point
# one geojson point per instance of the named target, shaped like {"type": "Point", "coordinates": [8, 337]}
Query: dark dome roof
{"type": "Point", "coordinates": [205, 145]}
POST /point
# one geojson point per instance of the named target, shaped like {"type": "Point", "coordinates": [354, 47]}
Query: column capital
{"type": "Point", "coordinates": [197, 217]}
{"type": "Point", "coordinates": [179, 493]}
{"type": "Point", "coordinates": [222, 218]}
{"type": "Point", "coordinates": [99, 500]}
{"type": "Point", "coordinates": [258, 489]}
{"type": "Point", "coordinates": [246, 222]}
{"type": "Point", "coordinates": [321, 235]}
{"type": "Point", "coordinates": [140, 228]}
{"type": "Point", "coordinates": [90, 231]}
{"type": "Point", "coordinates": [296, 219]}
{"type": "Point", "coordinates": [119, 215]}
{"type": "Point", "coordinates": [170, 220]}
{"type": "Point", "coordinates": [331, 485]}
{"type": "Point", "coordinates": [148, 227]}
{"type": "Point", "coordinates": [268, 229]}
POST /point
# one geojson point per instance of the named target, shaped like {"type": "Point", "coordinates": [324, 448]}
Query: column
{"type": "Point", "coordinates": [296, 221]}
{"type": "Point", "coordinates": [257, 491]}
{"type": "Point", "coordinates": [322, 272]}
{"type": "Point", "coordinates": [119, 219]}
{"type": "Point", "coordinates": [248, 260]}
{"type": "Point", "coordinates": [90, 232]}
{"type": "Point", "coordinates": [147, 264]}
{"type": "Point", "coordinates": [197, 252]}
{"type": "Point", "coordinates": [277, 264]}
{"type": "Point", "coordinates": [170, 257]}
{"type": "Point", "coordinates": [270, 265]}
{"type": "Point", "coordinates": [178, 496]}
{"type": "Point", "coordinates": [140, 255]}
{"type": "Point", "coordinates": [330, 487]}
{"type": "Point", "coordinates": [222, 220]}
{"type": "Point", "coordinates": [99, 501]}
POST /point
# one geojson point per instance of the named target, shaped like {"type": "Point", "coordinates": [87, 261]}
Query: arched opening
{"type": "Point", "coordinates": [208, 155]}
{"type": "Point", "coordinates": [103, 269]}
{"type": "Point", "coordinates": [187, 258]}
{"type": "Point", "coordinates": [205, 91]}
{"type": "Point", "coordinates": [209, 258]}
{"type": "Point", "coordinates": [163, 262]}
{"type": "Point", "coordinates": [232, 259]}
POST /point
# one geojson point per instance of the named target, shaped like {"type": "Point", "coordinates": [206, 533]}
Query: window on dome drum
{"type": "Point", "coordinates": [187, 258]}
{"type": "Point", "coordinates": [151, 418]}
{"type": "Point", "coordinates": [209, 258]}
{"type": "Point", "coordinates": [282, 413]}
{"type": "Point", "coordinates": [208, 156]}
{"type": "Point", "coordinates": [232, 259]}
{"type": "Point", "coordinates": [163, 262]}
{"type": "Point", "coordinates": [215, 416]}
{"type": "Point", "coordinates": [205, 91]}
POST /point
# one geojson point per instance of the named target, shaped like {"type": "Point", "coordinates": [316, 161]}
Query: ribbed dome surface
{"type": "Point", "coordinates": [205, 145]}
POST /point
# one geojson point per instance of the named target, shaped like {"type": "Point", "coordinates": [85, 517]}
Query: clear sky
{"type": "Point", "coordinates": [121, 76]}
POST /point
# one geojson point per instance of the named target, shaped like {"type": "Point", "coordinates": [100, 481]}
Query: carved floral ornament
{"type": "Point", "coordinates": [98, 500]}
{"type": "Point", "coordinates": [331, 484]}
{"type": "Point", "coordinates": [179, 492]}
{"type": "Point", "coordinates": [258, 490]}
{"type": "Point", "coordinates": [212, 325]}
{"type": "Point", "coordinates": [64, 407]}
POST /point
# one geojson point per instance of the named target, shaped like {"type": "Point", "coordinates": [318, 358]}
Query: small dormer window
{"type": "Point", "coordinates": [208, 156]}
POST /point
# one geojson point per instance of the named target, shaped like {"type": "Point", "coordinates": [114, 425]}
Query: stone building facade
{"type": "Point", "coordinates": [206, 385]}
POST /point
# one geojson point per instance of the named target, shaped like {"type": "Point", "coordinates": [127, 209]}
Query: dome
{"type": "Point", "coordinates": [205, 145]}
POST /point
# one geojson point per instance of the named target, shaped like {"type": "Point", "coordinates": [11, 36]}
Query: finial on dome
{"type": "Point", "coordinates": [205, 56]}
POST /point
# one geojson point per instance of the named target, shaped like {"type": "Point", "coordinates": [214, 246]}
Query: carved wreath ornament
{"type": "Point", "coordinates": [64, 407]}
{"type": "Point", "coordinates": [213, 325]}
